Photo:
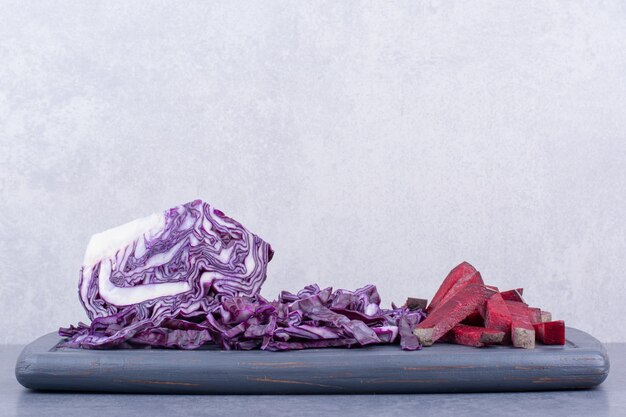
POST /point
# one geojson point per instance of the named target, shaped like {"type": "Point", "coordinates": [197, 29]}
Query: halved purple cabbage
{"type": "Point", "coordinates": [191, 276]}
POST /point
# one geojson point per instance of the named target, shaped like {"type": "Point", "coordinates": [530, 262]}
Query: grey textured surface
{"type": "Point", "coordinates": [373, 142]}
{"type": "Point", "coordinates": [609, 399]}
{"type": "Point", "coordinates": [581, 363]}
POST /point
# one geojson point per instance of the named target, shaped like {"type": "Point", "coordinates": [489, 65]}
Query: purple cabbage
{"type": "Point", "coordinates": [191, 277]}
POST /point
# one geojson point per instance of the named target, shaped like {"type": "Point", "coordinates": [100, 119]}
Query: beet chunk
{"type": "Point", "coordinates": [444, 318]}
{"type": "Point", "coordinates": [498, 317]}
{"type": "Point", "coordinates": [513, 295]}
{"type": "Point", "coordinates": [461, 276]}
{"type": "Point", "coordinates": [551, 333]}
{"type": "Point", "coordinates": [473, 336]}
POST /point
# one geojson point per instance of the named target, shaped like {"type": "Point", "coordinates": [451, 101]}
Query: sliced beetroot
{"type": "Point", "coordinates": [533, 313]}
{"type": "Point", "coordinates": [462, 276]}
{"type": "Point", "coordinates": [474, 319]}
{"type": "Point", "coordinates": [516, 306]}
{"type": "Point", "coordinates": [551, 333]}
{"type": "Point", "coordinates": [475, 278]}
{"type": "Point", "coordinates": [451, 313]}
{"type": "Point", "coordinates": [473, 336]}
{"type": "Point", "coordinates": [477, 318]}
{"type": "Point", "coordinates": [460, 273]}
{"type": "Point", "coordinates": [498, 317]}
{"type": "Point", "coordinates": [546, 316]}
{"type": "Point", "coordinates": [522, 333]}
{"type": "Point", "coordinates": [513, 295]}
{"type": "Point", "coordinates": [522, 330]}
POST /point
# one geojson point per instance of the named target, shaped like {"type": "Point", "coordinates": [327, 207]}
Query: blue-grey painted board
{"type": "Point", "coordinates": [581, 363]}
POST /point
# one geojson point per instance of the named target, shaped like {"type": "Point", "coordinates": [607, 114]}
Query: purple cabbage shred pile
{"type": "Point", "coordinates": [191, 276]}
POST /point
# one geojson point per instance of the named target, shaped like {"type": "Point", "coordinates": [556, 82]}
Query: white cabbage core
{"type": "Point", "coordinates": [104, 248]}
{"type": "Point", "coordinates": [106, 244]}
{"type": "Point", "coordinates": [121, 296]}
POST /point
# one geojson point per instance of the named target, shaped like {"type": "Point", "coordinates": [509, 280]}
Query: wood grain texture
{"type": "Point", "coordinates": [581, 363]}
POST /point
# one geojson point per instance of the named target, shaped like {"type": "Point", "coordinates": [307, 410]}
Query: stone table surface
{"type": "Point", "coordinates": [609, 399]}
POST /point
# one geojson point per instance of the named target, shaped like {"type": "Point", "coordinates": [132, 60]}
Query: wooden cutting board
{"type": "Point", "coordinates": [581, 363]}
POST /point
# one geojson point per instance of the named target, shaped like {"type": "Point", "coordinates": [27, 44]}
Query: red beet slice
{"type": "Point", "coordinates": [513, 295]}
{"type": "Point", "coordinates": [522, 333]}
{"type": "Point", "coordinates": [477, 318]}
{"type": "Point", "coordinates": [546, 316]}
{"type": "Point", "coordinates": [473, 336]}
{"type": "Point", "coordinates": [464, 269]}
{"type": "Point", "coordinates": [448, 315]}
{"type": "Point", "coordinates": [551, 333]}
{"type": "Point", "coordinates": [522, 330]}
{"type": "Point", "coordinates": [475, 278]}
{"type": "Point", "coordinates": [533, 313]}
{"type": "Point", "coordinates": [474, 319]}
{"type": "Point", "coordinates": [498, 317]}
{"type": "Point", "coordinates": [459, 278]}
{"type": "Point", "coordinates": [522, 318]}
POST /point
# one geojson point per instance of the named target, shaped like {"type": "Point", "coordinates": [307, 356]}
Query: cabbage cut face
{"type": "Point", "coordinates": [173, 264]}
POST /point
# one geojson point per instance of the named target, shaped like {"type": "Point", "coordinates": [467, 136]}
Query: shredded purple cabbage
{"type": "Point", "coordinates": [312, 318]}
{"type": "Point", "coordinates": [191, 277]}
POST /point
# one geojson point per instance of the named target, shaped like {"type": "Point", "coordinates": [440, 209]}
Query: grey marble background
{"type": "Point", "coordinates": [368, 142]}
